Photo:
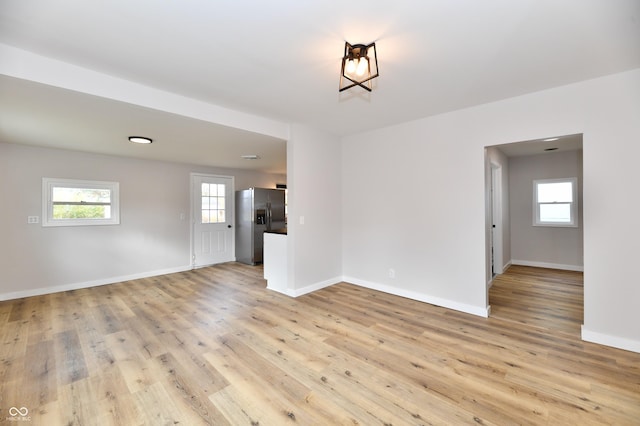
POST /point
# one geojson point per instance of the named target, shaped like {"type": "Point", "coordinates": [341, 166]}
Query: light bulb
{"type": "Point", "coordinates": [363, 65]}
{"type": "Point", "coordinates": [351, 66]}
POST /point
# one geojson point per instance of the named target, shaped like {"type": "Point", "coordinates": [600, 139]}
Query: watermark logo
{"type": "Point", "coordinates": [19, 414]}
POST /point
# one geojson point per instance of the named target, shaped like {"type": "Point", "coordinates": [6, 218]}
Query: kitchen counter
{"type": "Point", "coordinates": [275, 260]}
{"type": "Point", "coordinates": [280, 231]}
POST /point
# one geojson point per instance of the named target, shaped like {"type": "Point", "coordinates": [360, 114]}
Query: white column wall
{"type": "Point", "coordinates": [314, 222]}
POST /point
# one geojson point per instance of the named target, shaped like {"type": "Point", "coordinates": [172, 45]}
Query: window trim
{"type": "Point", "coordinates": [47, 205]}
{"type": "Point", "coordinates": [573, 223]}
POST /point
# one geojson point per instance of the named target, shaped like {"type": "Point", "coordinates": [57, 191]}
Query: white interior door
{"type": "Point", "coordinates": [213, 219]}
{"type": "Point", "coordinates": [497, 262]}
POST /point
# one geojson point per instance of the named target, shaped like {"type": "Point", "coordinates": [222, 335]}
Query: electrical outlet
{"type": "Point", "coordinates": [392, 273]}
{"type": "Point", "coordinates": [33, 219]}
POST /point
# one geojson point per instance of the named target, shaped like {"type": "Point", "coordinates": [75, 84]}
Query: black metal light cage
{"type": "Point", "coordinates": [356, 51]}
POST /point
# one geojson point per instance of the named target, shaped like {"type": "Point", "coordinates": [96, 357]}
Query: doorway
{"type": "Point", "coordinates": [511, 172]}
{"type": "Point", "coordinates": [212, 219]}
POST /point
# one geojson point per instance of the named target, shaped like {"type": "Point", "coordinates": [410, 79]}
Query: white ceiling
{"type": "Point", "coordinates": [280, 59]}
{"type": "Point", "coordinates": [547, 145]}
{"type": "Point", "coordinates": [37, 114]}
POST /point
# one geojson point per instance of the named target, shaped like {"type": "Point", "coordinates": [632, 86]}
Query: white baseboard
{"type": "Point", "coordinates": [421, 297]}
{"type": "Point", "coordinates": [311, 288]}
{"type": "Point", "coordinates": [548, 265]}
{"type": "Point", "coordinates": [505, 267]}
{"type": "Point", "coordinates": [499, 270]}
{"type": "Point", "coordinates": [609, 340]}
{"type": "Point", "coordinates": [445, 303]}
{"type": "Point", "coordinates": [95, 283]}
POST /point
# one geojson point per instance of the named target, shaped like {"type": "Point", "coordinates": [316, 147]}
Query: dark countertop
{"type": "Point", "coordinates": [281, 231]}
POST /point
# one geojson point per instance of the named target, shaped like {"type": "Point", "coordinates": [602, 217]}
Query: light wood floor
{"type": "Point", "coordinates": [213, 346]}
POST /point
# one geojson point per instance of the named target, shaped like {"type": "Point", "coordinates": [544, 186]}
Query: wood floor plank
{"type": "Point", "coordinates": [282, 397]}
{"type": "Point", "coordinates": [127, 357]}
{"type": "Point", "coordinates": [213, 346]}
{"type": "Point", "coordinates": [78, 404]}
{"type": "Point", "coordinates": [39, 383]}
{"type": "Point", "coordinates": [239, 407]}
{"type": "Point", "coordinates": [158, 407]}
{"type": "Point", "coordinates": [189, 390]}
{"type": "Point", "coordinates": [70, 363]}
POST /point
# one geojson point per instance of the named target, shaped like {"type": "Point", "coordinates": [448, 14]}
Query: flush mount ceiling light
{"type": "Point", "coordinates": [140, 139]}
{"type": "Point", "coordinates": [250, 157]}
{"type": "Point", "coordinates": [359, 66]}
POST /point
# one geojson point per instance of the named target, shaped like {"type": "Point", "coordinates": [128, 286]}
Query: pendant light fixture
{"type": "Point", "coordinates": [359, 66]}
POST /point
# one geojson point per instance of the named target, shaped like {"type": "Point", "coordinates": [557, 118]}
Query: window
{"type": "Point", "coordinates": [213, 208]}
{"type": "Point", "coordinates": [555, 202]}
{"type": "Point", "coordinates": [70, 202]}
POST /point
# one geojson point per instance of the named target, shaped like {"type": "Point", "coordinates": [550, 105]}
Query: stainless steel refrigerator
{"type": "Point", "coordinates": [257, 210]}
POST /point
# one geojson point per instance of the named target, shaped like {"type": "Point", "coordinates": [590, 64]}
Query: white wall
{"type": "Point", "coordinates": [413, 199]}
{"type": "Point", "coordinates": [553, 247]}
{"type": "Point", "coordinates": [151, 238]}
{"type": "Point", "coordinates": [314, 176]}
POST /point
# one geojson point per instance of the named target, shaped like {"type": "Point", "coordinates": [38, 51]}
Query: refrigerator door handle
{"type": "Point", "coordinates": [268, 216]}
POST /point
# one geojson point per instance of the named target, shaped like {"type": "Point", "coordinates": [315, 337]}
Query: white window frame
{"type": "Point", "coordinates": [573, 223]}
{"type": "Point", "coordinates": [47, 201]}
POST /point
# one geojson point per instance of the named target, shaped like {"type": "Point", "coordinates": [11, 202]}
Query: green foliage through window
{"type": "Point", "coordinates": [74, 202]}
{"type": "Point", "coordinates": [80, 212]}
{"type": "Point", "coordinates": [81, 203]}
